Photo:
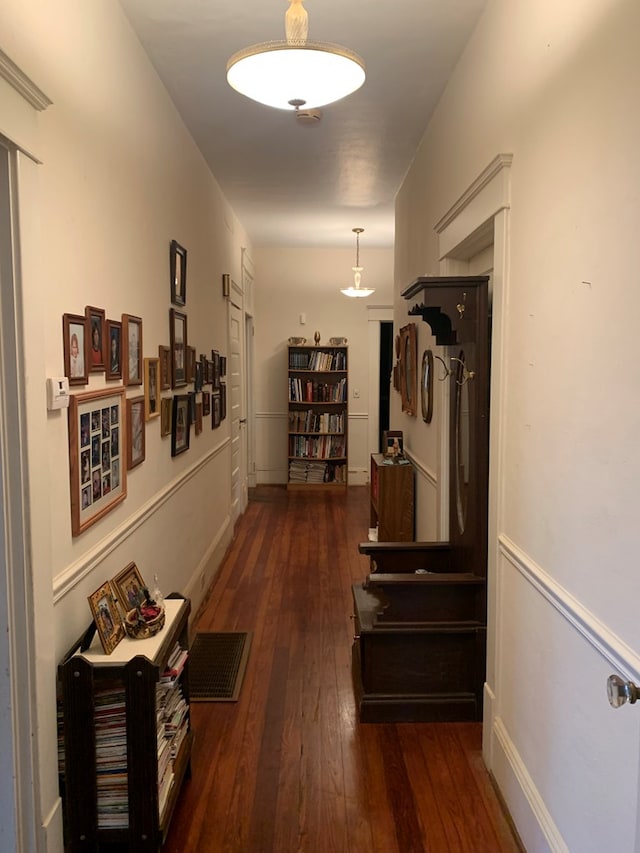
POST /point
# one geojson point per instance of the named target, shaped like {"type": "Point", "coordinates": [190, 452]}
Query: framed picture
{"type": "Point", "coordinates": [113, 334]}
{"type": "Point", "coordinates": [191, 364]}
{"type": "Point", "coordinates": [74, 338]}
{"type": "Point", "coordinates": [209, 372]}
{"type": "Point", "coordinates": [106, 616]}
{"type": "Point", "coordinates": [164, 354]}
{"type": "Point", "coordinates": [206, 403]}
{"type": "Point", "coordinates": [178, 268]}
{"type": "Point", "coordinates": [178, 330]}
{"type": "Point", "coordinates": [197, 378]}
{"type": "Point", "coordinates": [223, 400]}
{"type": "Point", "coordinates": [198, 423]}
{"type": "Point", "coordinates": [204, 369]}
{"type": "Point", "coordinates": [409, 369]}
{"type": "Point", "coordinates": [129, 588]}
{"type": "Point", "coordinates": [151, 388]}
{"type": "Point", "coordinates": [132, 349]}
{"type": "Point", "coordinates": [166, 405]}
{"type": "Point", "coordinates": [426, 386]}
{"type": "Point", "coordinates": [97, 421]}
{"type": "Point", "coordinates": [226, 286]}
{"type": "Point", "coordinates": [180, 424]}
{"type": "Point", "coordinates": [223, 365]}
{"type": "Point", "coordinates": [216, 410]}
{"type": "Point", "coordinates": [135, 423]}
{"type": "Point", "coordinates": [95, 353]}
{"type": "Point", "coordinates": [215, 358]}
{"type": "Point", "coordinates": [392, 443]}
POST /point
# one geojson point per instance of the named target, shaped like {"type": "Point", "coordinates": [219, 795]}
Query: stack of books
{"type": "Point", "coordinates": [110, 721]}
{"type": "Point", "coordinates": [172, 713]}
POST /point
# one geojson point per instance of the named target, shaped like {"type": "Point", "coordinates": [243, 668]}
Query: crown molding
{"type": "Point", "coordinates": [10, 72]}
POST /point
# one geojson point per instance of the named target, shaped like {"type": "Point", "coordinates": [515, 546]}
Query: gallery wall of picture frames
{"type": "Point", "coordinates": [107, 426]}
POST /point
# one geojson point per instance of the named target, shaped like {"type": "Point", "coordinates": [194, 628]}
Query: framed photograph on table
{"type": "Point", "coordinates": [178, 331]}
{"type": "Point", "coordinates": [132, 349]}
{"type": "Point", "coordinates": [95, 353]}
{"type": "Point", "coordinates": [97, 477]}
{"type": "Point", "coordinates": [113, 334]}
{"type": "Point", "coordinates": [129, 588]}
{"type": "Point", "coordinates": [135, 424]}
{"type": "Point", "coordinates": [178, 270]}
{"type": "Point", "coordinates": [106, 617]}
{"type": "Point", "coordinates": [151, 388]}
{"type": "Point", "coordinates": [392, 441]}
{"type": "Point", "coordinates": [74, 339]}
{"type": "Point", "coordinates": [180, 424]}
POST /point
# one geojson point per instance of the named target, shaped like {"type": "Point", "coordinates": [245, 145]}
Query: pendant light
{"type": "Point", "coordinates": [355, 289]}
{"type": "Point", "coordinates": [295, 73]}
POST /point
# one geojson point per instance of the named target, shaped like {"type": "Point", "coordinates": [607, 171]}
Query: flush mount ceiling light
{"type": "Point", "coordinates": [295, 73]}
{"type": "Point", "coordinates": [355, 289]}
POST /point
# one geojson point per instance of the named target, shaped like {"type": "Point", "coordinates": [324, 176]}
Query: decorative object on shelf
{"type": "Point", "coordinates": [355, 290]}
{"type": "Point", "coordinates": [144, 621]}
{"type": "Point", "coordinates": [106, 617]}
{"type": "Point", "coordinates": [316, 338]}
{"type": "Point", "coordinates": [74, 330]}
{"type": "Point", "coordinates": [297, 342]}
{"type": "Point", "coordinates": [131, 349]}
{"type": "Point", "coordinates": [97, 474]}
{"type": "Point", "coordinates": [392, 441]}
{"type": "Point", "coordinates": [95, 354]}
{"type": "Point", "coordinates": [178, 271]}
{"type": "Point", "coordinates": [426, 386]}
{"type": "Point", "coordinates": [295, 73]}
{"type": "Point", "coordinates": [338, 342]}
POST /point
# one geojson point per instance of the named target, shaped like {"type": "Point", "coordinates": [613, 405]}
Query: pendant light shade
{"type": "Point", "coordinates": [355, 290]}
{"type": "Point", "coordinates": [296, 72]}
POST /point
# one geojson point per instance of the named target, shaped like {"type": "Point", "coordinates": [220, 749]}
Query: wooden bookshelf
{"type": "Point", "coordinates": [125, 737]}
{"type": "Point", "coordinates": [318, 414]}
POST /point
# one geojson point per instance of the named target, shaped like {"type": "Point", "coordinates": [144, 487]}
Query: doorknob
{"type": "Point", "coordinates": [619, 692]}
{"type": "Point", "coordinates": [242, 420]}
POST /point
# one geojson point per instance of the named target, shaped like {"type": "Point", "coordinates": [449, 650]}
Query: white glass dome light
{"type": "Point", "coordinates": [355, 290]}
{"type": "Point", "coordinates": [296, 72]}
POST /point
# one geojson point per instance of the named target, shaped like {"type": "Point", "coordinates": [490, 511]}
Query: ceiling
{"type": "Point", "coordinates": [298, 185]}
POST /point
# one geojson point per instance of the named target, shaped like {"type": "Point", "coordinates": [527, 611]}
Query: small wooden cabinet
{"type": "Point", "coordinates": [392, 500]}
{"type": "Point", "coordinates": [125, 738]}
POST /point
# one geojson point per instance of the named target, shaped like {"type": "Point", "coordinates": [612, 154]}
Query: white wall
{"type": "Point", "coordinates": [291, 282]}
{"type": "Point", "coordinates": [554, 85]}
{"type": "Point", "coordinates": [120, 177]}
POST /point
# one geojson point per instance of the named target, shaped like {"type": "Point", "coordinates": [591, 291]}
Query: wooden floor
{"type": "Point", "coordinates": [289, 767]}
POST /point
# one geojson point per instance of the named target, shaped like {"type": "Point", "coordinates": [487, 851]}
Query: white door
{"type": "Point", "coordinates": [236, 407]}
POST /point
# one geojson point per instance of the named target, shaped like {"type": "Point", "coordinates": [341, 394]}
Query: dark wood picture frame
{"type": "Point", "coordinates": [191, 364]}
{"type": "Point", "coordinates": [223, 400]}
{"type": "Point", "coordinates": [131, 350]}
{"type": "Point", "coordinates": [206, 403]}
{"type": "Point", "coordinates": [178, 335]}
{"type": "Point", "coordinates": [178, 272]}
{"type": "Point", "coordinates": [409, 368]}
{"type": "Point", "coordinates": [151, 388]}
{"type": "Point", "coordinates": [215, 358]}
{"type": "Point", "coordinates": [106, 617]}
{"type": "Point", "coordinates": [166, 407]}
{"type": "Point", "coordinates": [136, 432]}
{"type": "Point", "coordinates": [180, 424]}
{"type": "Point", "coordinates": [113, 335]}
{"type": "Point", "coordinates": [74, 338]}
{"type": "Point", "coordinates": [392, 444]}
{"type": "Point", "coordinates": [97, 424]}
{"type": "Point", "coordinates": [164, 354]}
{"type": "Point", "coordinates": [95, 352]}
{"type": "Point", "coordinates": [129, 588]}
{"type": "Point", "coordinates": [426, 386]}
{"type": "Point", "coordinates": [216, 410]}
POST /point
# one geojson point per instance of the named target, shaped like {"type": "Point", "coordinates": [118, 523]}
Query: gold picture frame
{"type": "Point", "coordinates": [129, 588]}
{"type": "Point", "coordinates": [106, 617]}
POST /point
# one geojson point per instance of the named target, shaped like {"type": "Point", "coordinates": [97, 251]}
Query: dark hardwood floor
{"type": "Point", "coordinates": [289, 767]}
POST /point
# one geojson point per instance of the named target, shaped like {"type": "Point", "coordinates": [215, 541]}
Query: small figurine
{"type": "Point", "coordinates": [316, 338]}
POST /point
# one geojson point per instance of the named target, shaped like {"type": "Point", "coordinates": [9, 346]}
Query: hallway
{"type": "Point", "coordinates": [288, 767]}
